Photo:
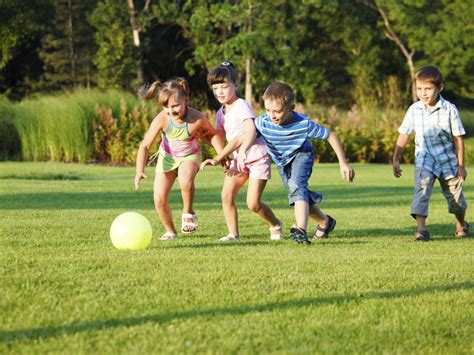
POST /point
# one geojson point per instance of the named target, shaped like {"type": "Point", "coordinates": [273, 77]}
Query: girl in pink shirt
{"type": "Point", "coordinates": [235, 120]}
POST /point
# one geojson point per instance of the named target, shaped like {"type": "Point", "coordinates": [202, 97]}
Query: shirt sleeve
{"type": "Point", "coordinates": [258, 124]}
{"type": "Point", "coordinates": [317, 131]}
{"type": "Point", "coordinates": [220, 120]}
{"type": "Point", "coordinates": [457, 127]}
{"type": "Point", "coordinates": [245, 111]}
{"type": "Point", "coordinates": [407, 126]}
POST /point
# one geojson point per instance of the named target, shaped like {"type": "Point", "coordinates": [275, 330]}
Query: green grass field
{"type": "Point", "coordinates": [367, 289]}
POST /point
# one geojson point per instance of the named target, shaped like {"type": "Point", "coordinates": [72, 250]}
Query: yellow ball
{"type": "Point", "coordinates": [130, 230]}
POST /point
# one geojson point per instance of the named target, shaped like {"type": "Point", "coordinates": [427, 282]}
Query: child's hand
{"type": "Point", "coordinates": [397, 171]}
{"type": "Point", "coordinates": [208, 162]}
{"type": "Point", "coordinates": [347, 172]}
{"type": "Point", "coordinates": [241, 161]}
{"type": "Point", "coordinates": [138, 177]}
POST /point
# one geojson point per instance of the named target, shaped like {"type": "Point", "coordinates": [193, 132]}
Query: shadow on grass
{"type": "Point", "coordinates": [48, 332]}
{"type": "Point", "coordinates": [367, 196]}
{"type": "Point", "coordinates": [216, 244]}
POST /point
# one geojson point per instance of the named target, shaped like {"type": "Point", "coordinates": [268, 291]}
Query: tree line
{"type": "Point", "coordinates": [331, 51]}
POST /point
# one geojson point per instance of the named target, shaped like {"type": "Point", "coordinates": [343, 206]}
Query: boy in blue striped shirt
{"type": "Point", "coordinates": [287, 135]}
{"type": "Point", "coordinates": [439, 151]}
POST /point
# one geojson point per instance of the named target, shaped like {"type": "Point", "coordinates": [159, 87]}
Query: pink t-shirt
{"type": "Point", "coordinates": [232, 123]}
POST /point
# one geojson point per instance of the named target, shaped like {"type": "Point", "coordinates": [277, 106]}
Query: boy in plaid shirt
{"type": "Point", "coordinates": [439, 151]}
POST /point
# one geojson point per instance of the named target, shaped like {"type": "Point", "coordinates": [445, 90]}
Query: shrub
{"type": "Point", "coordinates": [10, 143]}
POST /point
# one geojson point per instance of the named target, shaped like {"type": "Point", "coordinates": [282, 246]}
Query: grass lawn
{"type": "Point", "coordinates": [367, 289]}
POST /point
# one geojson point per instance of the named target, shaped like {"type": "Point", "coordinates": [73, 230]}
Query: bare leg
{"type": "Point", "coordinates": [232, 186]}
{"type": "Point", "coordinates": [161, 191]}
{"type": "Point", "coordinates": [460, 221]}
{"type": "Point", "coordinates": [186, 173]}
{"type": "Point", "coordinates": [319, 217]}
{"type": "Point", "coordinates": [421, 222]}
{"type": "Point", "coordinates": [254, 203]}
{"type": "Point", "coordinates": [301, 214]}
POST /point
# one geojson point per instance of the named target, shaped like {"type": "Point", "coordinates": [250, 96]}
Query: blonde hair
{"type": "Point", "coordinates": [280, 92]}
{"type": "Point", "coordinates": [163, 92]}
{"type": "Point", "coordinates": [431, 74]}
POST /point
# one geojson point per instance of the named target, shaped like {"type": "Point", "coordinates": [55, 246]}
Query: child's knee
{"type": "Point", "coordinates": [160, 201]}
{"type": "Point", "coordinates": [227, 197]}
{"type": "Point", "coordinates": [253, 205]}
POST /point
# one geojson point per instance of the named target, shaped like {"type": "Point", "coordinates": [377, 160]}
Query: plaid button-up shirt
{"type": "Point", "coordinates": [434, 145]}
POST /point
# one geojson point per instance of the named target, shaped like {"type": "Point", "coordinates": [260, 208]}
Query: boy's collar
{"type": "Point", "coordinates": [441, 103]}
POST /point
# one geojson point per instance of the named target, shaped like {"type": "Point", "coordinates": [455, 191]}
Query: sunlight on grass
{"type": "Point", "coordinates": [366, 289]}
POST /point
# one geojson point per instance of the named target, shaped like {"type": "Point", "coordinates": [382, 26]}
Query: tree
{"type": "Point", "coordinates": [68, 47]}
{"type": "Point", "coordinates": [115, 58]}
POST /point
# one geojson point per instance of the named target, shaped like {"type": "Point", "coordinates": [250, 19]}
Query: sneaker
{"type": "Point", "coordinates": [422, 236]}
{"type": "Point", "coordinates": [298, 235]}
{"type": "Point", "coordinates": [230, 238]}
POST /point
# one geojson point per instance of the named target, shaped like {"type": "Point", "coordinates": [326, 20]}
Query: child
{"type": "Point", "coordinates": [439, 151]}
{"type": "Point", "coordinates": [287, 134]}
{"type": "Point", "coordinates": [179, 154]}
{"type": "Point", "coordinates": [235, 119]}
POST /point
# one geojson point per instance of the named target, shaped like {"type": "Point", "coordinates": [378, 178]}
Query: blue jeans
{"type": "Point", "coordinates": [295, 176]}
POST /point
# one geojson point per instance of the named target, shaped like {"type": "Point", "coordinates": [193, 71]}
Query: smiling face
{"type": "Point", "coordinates": [278, 112]}
{"type": "Point", "coordinates": [225, 93]}
{"type": "Point", "coordinates": [428, 92]}
{"type": "Point", "coordinates": [176, 107]}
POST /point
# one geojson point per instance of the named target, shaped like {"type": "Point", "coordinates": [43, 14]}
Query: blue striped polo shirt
{"type": "Point", "coordinates": [284, 141]}
{"type": "Point", "coordinates": [434, 131]}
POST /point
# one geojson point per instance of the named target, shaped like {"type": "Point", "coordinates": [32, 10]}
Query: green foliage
{"type": "Point", "coordinates": [367, 135]}
{"type": "Point", "coordinates": [367, 289]}
{"type": "Point", "coordinates": [116, 140]}
{"type": "Point", "coordinates": [58, 128]}
{"type": "Point", "coordinates": [68, 47]}
{"type": "Point", "coordinates": [116, 58]}
{"type": "Point", "coordinates": [21, 19]}
{"type": "Point", "coordinates": [10, 143]}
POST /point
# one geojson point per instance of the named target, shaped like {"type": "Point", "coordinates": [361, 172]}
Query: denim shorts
{"type": "Point", "coordinates": [295, 176]}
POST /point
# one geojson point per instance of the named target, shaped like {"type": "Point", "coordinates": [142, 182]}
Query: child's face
{"type": "Point", "coordinates": [176, 107]}
{"type": "Point", "coordinates": [278, 112]}
{"type": "Point", "coordinates": [427, 92]}
{"type": "Point", "coordinates": [225, 93]}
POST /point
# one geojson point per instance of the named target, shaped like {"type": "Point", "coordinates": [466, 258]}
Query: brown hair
{"type": "Point", "coordinates": [162, 92]}
{"type": "Point", "coordinates": [431, 74]}
{"type": "Point", "coordinates": [280, 92]}
{"type": "Point", "coordinates": [224, 72]}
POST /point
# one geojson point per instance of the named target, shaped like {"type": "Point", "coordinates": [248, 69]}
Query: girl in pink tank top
{"type": "Point", "coordinates": [179, 155]}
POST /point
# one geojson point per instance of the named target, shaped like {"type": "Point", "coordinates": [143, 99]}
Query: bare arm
{"type": "Point", "coordinates": [402, 141]}
{"type": "Point", "coordinates": [144, 149]}
{"type": "Point", "coordinates": [346, 171]}
{"type": "Point", "coordinates": [210, 135]}
{"type": "Point", "coordinates": [459, 144]}
{"type": "Point", "coordinates": [248, 139]}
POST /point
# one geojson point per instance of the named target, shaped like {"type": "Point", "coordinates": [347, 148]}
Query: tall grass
{"type": "Point", "coordinates": [61, 128]}
{"type": "Point", "coordinates": [58, 128]}
{"type": "Point", "coordinates": [10, 144]}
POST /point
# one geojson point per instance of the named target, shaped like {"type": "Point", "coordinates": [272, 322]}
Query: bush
{"type": "Point", "coordinates": [10, 143]}
{"type": "Point", "coordinates": [367, 136]}
{"type": "Point", "coordinates": [116, 140]}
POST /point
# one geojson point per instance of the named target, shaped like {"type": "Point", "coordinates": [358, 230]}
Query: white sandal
{"type": "Point", "coordinates": [230, 238]}
{"type": "Point", "coordinates": [188, 227]}
{"type": "Point", "coordinates": [276, 232]}
{"type": "Point", "coordinates": [169, 236]}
